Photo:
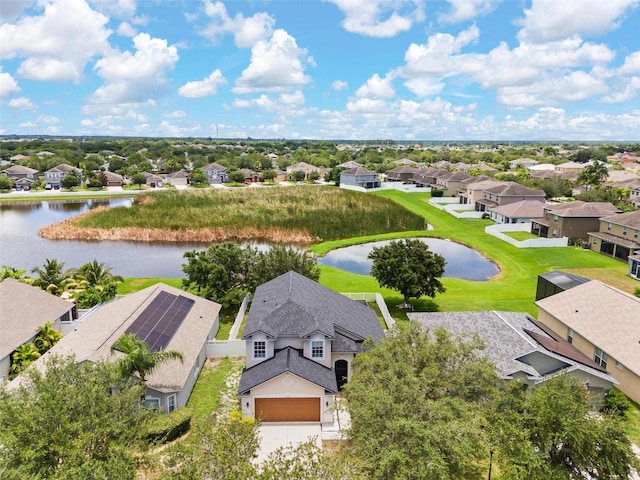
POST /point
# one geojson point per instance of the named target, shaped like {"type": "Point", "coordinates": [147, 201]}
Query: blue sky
{"type": "Point", "coordinates": [322, 69]}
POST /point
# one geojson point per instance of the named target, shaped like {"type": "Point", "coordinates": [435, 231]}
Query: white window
{"type": "Point", "coordinates": [317, 349]}
{"type": "Point", "coordinates": [555, 219]}
{"type": "Point", "coordinates": [624, 231]}
{"type": "Point", "coordinates": [152, 403]}
{"type": "Point", "coordinates": [635, 234]}
{"type": "Point", "coordinates": [601, 358]}
{"type": "Point", "coordinates": [570, 335]}
{"type": "Point", "coordinates": [171, 403]}
{"type": "Point", "coordinates": [609, 226]}
{"type": "Point", "coordinates": [259, 349]}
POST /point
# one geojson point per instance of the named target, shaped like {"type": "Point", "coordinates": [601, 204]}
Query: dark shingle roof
{"type": "Point", "coordinates": [288, 360]}
{"type": "Point", "coordinates": [294, 305]}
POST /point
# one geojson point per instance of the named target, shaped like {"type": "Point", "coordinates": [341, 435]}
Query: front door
{"type": "Point", "coordinates": [341, 368]}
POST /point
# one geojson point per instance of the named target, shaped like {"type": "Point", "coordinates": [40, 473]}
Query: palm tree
{"type": "Point", "coordinates": [51, 276]}
{"type": "Point", "coordinates": [22, 357]}
{"type": "Point", "coordinates": [47, 337]}
{"type": "Point", "coordinates": [95, 273]}
{"type": "Point", "coordinates": [139, 360]}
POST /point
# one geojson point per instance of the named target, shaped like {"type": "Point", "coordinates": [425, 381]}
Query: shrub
{"type": "Point", "coordinates": [166, 428]}
{"type": "Point", "coordinates": [435, 192]}
{"type": "Point", "coordinates": [575, 242]}
{"type": "Point", "coordinates": [636, 292]}
{"type": "Point", "coordinates": [616, 402]}
{"type": "Point", "coordinates": [486, 216]}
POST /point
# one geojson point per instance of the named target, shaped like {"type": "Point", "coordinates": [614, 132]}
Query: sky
{"type": "Point", "coordinates": [404, 70]}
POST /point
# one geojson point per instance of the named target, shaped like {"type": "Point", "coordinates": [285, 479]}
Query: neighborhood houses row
{"type": "Point", "coordinates": [301, 338]}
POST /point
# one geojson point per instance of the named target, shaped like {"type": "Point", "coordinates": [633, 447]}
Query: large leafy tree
{"type": "Point", "coordinates": [593, 175]}
{"type": "Point", "coordinates": [278, 260]}
{"type": "Point", "coordinates": [96, 273]}
{"type": "Point", "coordinates": [409, 267]}
{"type": "Point", "coordinates": [139, 360]}
{"type": "Point", "coordinates": [51, 276]}
{"type": "Point", "coordinates": [67, 423]}
{"type": "Point", "coordinates": [12, 272]}
{"type": "Point", "coordinates": [416, 401]}
{"type": "Point", "coordinates": [551, 432]}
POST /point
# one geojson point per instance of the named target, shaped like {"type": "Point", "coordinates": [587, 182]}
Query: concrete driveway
{"type": "Point", "coordinates": [276, 435]}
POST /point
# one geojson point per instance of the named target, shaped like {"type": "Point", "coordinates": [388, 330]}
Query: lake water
{"type": "Point", "coordinates": [462, 262]}
{"type": "Point", "coordinates": [21, 247]}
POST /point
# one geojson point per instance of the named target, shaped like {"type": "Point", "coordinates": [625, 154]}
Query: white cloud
{"type": "Point", "coordinates": [119, 8]}
{"type": "Point", "coordinates": [8, 84]}
{"type": "Point", "coordinates": [631, 64]}
{"type": "Point", "coordinates": [175, 114]}
{"type": "Point", "coordinates": [630, 91]}
{"type": "Point", "coordinates": [548, 20]}
{"type": "Point", "coordinates": [462, 10]}
{"type": "Point", "coordinates": [28, 125]}
{"type": "Point", "coordinates": [367, 105]}
{"type": "Point", "coordinates": [246, 31]}
{"type": "Point", "coordinates": [380, 18]}
{"type": "Point", "coordinates": [12, 8]}
{"type": "Point", "coordinates": [135, 77]}
{"type": "Point", "coordinates": [203, 88]}
{"type": "Point", "coordinates": [424, 87]}
{"type": "Point", "coordinates": [296, 98]}
{"type": "Point", "coordinates": [48, 120]}
{"type": "Point", "coordinates": [57, 44]}
{"type": "Point", "coordinates": [339, 85]}
{"type": "Point", "coordinates": [125, 29]}
{"type": "Point", "coordinates": [22, 103]}
{"type": "Point", "coordinates": [377, 87]}
{"type": "Point", "coordinates": [275, 65]}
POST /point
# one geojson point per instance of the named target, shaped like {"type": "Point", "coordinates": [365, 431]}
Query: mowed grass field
{"type": "Point", "coordinates": [513, 289]}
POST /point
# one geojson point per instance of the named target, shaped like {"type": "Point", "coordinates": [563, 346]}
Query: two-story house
{"type": "Point", "coordinates": [572, 220]}
{"type": "Point", "coordinates": [471, 190]}
{"type": "Point", "coordinates": [54, 175]}
{"type": "Point", "coordinates": [602, 322]}
{"type": "Point", "coordinates": [301, 338]}
{"type": "Point", "coordinates": [215, 173]}
{"type": "Point", "coordinates": [360, 177]}
{"type": "Point", "coordinates": [451, 182]}
{"type": "Point", "coordinates": [22, 176]}
{"type": "Point", "coordinates": [618, 235]}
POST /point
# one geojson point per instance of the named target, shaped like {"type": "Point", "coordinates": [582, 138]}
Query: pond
{"type": "Point", "coordinates": [21, 246]}
{"type": "Point", "coordinates": [462, 262]}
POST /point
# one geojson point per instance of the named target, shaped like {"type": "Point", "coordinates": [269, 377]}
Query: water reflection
{"type": "Point", "coordinates": [462, 262]}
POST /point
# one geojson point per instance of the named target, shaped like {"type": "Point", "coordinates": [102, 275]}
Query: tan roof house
{"type": "Point", "coordinates": [505, 193]}
{"type": "Point", "coordinates": [451, 182]}
{"type": "Point", "coordinates": [165, 318]}
{"type": "Point", "coordinates": [23, 309]}
{"type": "Point", "coordinates": [572, 219]}
{"type": "Point", "coordinates": [618, 236]}
{"type": "Point", "coordinates": [570, 169]}
{"type": "Point", "coordinates": [401, 174]}
{"type": "Point", "coordinates": [54, 175]}
{"type": "Point", "coordinates": [603, 323]}
{"type": "Point", "coordinates": [517, 212]}
{"type": "Point", "coordinates": [472, 190]}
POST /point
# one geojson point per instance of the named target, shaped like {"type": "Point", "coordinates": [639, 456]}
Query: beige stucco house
{"type": "Point", "coordinates": [301, 338]}
{"type": "Point", "coordinates": [604, 324]}
{"type": "Point", "coordinates": [618, 236]}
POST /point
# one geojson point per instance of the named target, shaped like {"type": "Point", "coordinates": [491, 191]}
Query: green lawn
{"type": "Point", "coordinates": [513, 289]}
{"type": "Point", "coordinates": [132, 285]}
{"type": "Point", "coordinates": [209, 388]}
{"type": "Point", "coordinates": [520, 236]}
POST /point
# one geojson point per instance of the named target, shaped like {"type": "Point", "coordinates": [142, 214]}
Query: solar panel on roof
{"type": "Point", "coordinates": [158, 323]}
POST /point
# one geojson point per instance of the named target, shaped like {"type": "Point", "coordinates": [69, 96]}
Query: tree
{"type": "Point", "coordinates": [549, 432]}
{"type": "Point", "coordinates": [409, 267]}
{"type": "Point", "coordinates": [95, 295]}
{"type": "Point", "coordinates": [279, 259]}
{"type": "Point", "coordinates": [46, 337]}
{"type": "Point", "coordinates": [220, 273]}
{"type": "Point", "coordinates": [51, 276]}
{"type": "Point", "coordinates": [70, 180]}
{"type": "Point", "coordinates": [5, 182]}
{"type": "Point", "coordinates": [66, 423]}
{"type": "Point", "coordinates": [96, 273]}
{"type": "Point", "coordinates": [299, 175]}
{"type": "Point", "coordinates": [138, 179]}
{"type": "Point", "coordinates": [416, 401]}
{"type": "Point", "coordinates": [236, 176]}
{"type": "Point", "coordinates": [139, 360]}
{"type": "Point", "coordinates": [197, 177]}
{"type": "Point", "coordinates": [593, 175]}
{"type": "Point", "coordinates": [12, 272]}
{"type": "Point", "coordinates": [315, 175]}
{"type": "Point", "coordinates": [269, 175]}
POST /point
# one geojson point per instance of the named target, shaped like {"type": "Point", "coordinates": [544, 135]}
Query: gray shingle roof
{"type": "Point", "coordinates": [288, 360]}
{"type": "Point", "coordinates": [294, 305]}
{"type": "Point", "coordinates": [508, 336]}
{"type": "Point", "coordinates": [23, 309]}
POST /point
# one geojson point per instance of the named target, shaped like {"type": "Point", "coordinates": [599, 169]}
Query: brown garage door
{"type": "Point", "coordinates": [288, 409]}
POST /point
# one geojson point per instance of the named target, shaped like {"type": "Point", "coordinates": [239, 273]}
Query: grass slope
{"type": "Point", "coordinates": [513, 289]}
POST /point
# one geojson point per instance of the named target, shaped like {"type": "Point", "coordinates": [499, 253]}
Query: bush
{"type": "Point", "coordinates": [616, 402]}
{"type": "Point", "coordinates": [486, 216]}
{"type": "Point", "coordinates": [435, 192]}
{"type": "Point", "coordinates": [636, 292]}
{"type": "Point", "coordinates": [166, 428]}
{"type": "Point", "coordinates": [575, 242]}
